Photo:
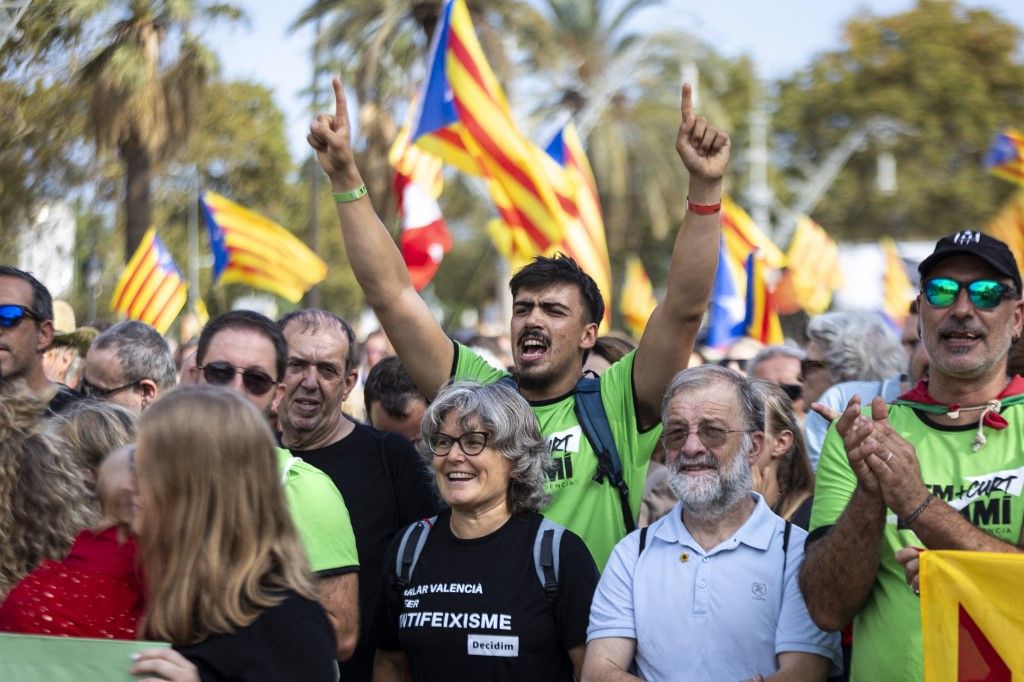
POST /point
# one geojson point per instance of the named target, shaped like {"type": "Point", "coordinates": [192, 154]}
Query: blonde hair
{"type": "Point", "coordinates": [217, 542]}
{"type": "Point", "coordinates": [795, 474]}
{"type": "Point", "coordinates": [93, 429]}
{"type": "Point", "coordinates": [44, 501]}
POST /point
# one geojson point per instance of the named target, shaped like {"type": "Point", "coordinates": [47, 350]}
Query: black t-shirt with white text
{"type": "Point", "coordinates": [386, 486]}
{"type": "Point", "coordinates": [476, 609]}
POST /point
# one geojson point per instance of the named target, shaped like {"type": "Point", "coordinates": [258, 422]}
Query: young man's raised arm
{"type": "Point", "coordinates": [672, 329]}
{"type": "Point", "coordinates": [425, 350]}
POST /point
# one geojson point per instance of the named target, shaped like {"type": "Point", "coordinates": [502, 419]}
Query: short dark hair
{"type": "Point", "coordinates": [544, 272]}
{"type": "Point", "coordinates": [389, 384]}
{"type": "Point", "coordinates": [142, 352]}
{"type": "Point", "coordinates": [246, 320]}
{"type": "Point", "coordinates": [42, 302]}
{"type": "Point", "coordinates": [315, 319]}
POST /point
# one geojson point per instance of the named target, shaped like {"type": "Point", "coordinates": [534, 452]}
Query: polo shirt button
{"type": "Point", "coordinates": [707, 559]}
{"type": "Point", "coordinates": [702, 584]}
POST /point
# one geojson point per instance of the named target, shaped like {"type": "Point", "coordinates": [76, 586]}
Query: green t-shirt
{"type": "Point", "coordinates": [591, 510]}
{"type": "Point", "coordinates": [984, 486]}
{"type": "Point", "coordinates": [320, 516]}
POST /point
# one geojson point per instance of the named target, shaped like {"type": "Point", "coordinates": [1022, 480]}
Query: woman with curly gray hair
{"type": "Point", "coordinates": [475, 607]}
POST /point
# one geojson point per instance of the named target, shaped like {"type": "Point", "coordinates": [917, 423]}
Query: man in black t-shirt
{"type": "Point", "coordinates": [380, 475]}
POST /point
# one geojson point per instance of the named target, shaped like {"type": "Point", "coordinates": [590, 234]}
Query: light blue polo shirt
{"type": "Point", "coordinates": [718, 615]}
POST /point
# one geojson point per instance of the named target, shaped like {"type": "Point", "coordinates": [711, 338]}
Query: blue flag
{"type": "Point", "coordinates": [728, 308]}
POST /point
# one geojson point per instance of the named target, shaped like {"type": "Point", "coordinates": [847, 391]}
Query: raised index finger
{"type": "Point", "coordinates": [686, 105]}
{"type": "Point", "coordinates": [340, 104]}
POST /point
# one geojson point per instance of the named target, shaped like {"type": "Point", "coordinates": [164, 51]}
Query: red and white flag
{"type": "Point", "coordinates": [425, 237]}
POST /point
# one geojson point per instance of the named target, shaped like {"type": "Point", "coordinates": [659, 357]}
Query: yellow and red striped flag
{"type": "Point", "coordinates": [465, 120]}
{"type": "Point", "coordinates": [762, 319]}
{"type": "Point", "coordinates": [584, 240]}
{"type": "Point", "coordinates": [1005, 157]}
{"type": "Point", "coordinates": [151, 288]}
{"type": "Point", "coordinates": [972, 615]}
{"type": "Point", "coordinates": [251, 249]}
{"type": "Point", "coordinates": [741, 236]}
{"type": "Point", "coordinates": [1008, 226]}
{"type": "Point", "coordinates": [897, 290]}
{"type": "Point", "coordinates": [637, 300]}
{"type": "Point", "coordinates": [812, 268]}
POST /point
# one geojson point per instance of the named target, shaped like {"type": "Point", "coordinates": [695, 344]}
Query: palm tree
{"type": "Point", "coordinates": [145, 87]}
{"type": "Point", "coordinates": [380, 46]}
{"type": "Point", "coordinates": [620, 85]}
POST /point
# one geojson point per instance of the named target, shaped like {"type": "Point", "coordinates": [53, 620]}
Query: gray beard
{"type": "Point", "coordinates": [709, 497]}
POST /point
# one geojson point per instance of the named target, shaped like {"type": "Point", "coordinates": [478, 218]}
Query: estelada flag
{"type": "Point", "coordinates": [151, 289]}
{"type": "Point", "coordinates": [251, 249]}
{"type": "Point", "coordinates": [972, 615]}
{"type": "Point", "coordinates": [1005, 157]}
{"type": "Point", "coordinates": [637, 301]}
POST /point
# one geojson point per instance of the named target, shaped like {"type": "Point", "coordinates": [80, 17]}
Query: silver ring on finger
{"type": "Point", "coordinates": [888, 458]}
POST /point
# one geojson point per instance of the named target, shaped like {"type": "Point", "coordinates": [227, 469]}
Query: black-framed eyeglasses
{"type": "Point", "coordinates": [711, 436]}
{"type": "Point", "coordinates": [471, 443]}
{"type": "Point", "coordinates": [221, 373]}
{"type": "Point", "coordinates": [11, 315]}
{"type": "Point", "coordinates": [94, 391]}
{"type": "Point", "coordinates": [794, 391]}
{"type": "Point", "coordinates": [984, 294]}
{"type": "Point", "coordinates": [807, 366]}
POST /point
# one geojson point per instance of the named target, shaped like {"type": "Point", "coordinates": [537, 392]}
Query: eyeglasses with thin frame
{"type": "Point", "coordinates": [221, 373]}
{"type": "Point", "coordinates": [984, 294]}
{"type": "Point", "coordinates": [93, 391]}
{"type": "Point", "coordinates": [12, 314]}
{"type": "Point", "coordinates": [471, 443]}
{"type": "Point", "coordinates": [711, 436]}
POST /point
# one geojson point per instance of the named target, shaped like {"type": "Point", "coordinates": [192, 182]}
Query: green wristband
{"type": "Point", "coordinates": [345, 197]}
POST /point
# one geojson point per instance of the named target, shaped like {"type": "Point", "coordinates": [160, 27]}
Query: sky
{"type": "Point", "coordinates": [781, 37]}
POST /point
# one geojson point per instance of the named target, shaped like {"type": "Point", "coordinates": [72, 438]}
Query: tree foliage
{"type": "Point", "coordinates": [952, 76]}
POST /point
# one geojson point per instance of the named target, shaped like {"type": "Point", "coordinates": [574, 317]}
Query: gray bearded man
{"type": "Point", "coordinates": [720, 567]}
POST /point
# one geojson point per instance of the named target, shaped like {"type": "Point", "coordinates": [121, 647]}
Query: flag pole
{"type": "Point", "coordinates": [193, 247]}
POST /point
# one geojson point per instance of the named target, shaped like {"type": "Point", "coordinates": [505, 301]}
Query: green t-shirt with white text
{"type": "Point", "coordinates": [984, 486]}
{"type": "Point", "coordinates": [591, 510]}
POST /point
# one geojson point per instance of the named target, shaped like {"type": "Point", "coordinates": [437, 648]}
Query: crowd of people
{"type": "Point", "coordinates": [278, 505]}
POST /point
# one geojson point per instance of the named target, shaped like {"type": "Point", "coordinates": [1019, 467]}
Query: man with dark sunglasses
{"type": "Point", "coordinates": [26, 331]}
{"type": "Point", "coordinates": [245, 351]}
{"type": "Point", "coordinates": [780, 364]}
{"type": "Point", "coordinates": [130, 365]}
{"type": "Point", "coordinates": [939, 468]}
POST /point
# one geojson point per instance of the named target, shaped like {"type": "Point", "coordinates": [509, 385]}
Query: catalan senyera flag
{"type": "Point", "coordinates": [812, 269]}
{"type": "Point", "coordinates": [742, 235]}
{"type": "Point", "coordinates": [151, 288]}
{"type": "Point", "coordinates": [584, 239]}
{"type": "Point", "coordinates": [465, 120]}
{"type": "Point", "coordinates": [972, 615]}
{"type": "Point", "coordinates": [637, 300]}
{"type": "Point", "coordinates": [761, 322]}
{"type": "Point", "coordinates": [897, 290]}
{"type": "Point", "coordinates": [251, 249]}
{"type": "Point", "coordinates": [1005, 157]}
{"type": "Point", "coordinates": [1008, 226]}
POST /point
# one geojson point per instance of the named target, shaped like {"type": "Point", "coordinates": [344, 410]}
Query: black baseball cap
{"type": "Point", "coordinates": [979, 245]}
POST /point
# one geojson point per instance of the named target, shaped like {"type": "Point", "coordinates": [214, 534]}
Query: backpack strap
{"type": "Point", "coordinates": [643, 540]}
{"type": "Point", "coordinates": [409, 549]}
{"type": "Point", "coordinates": [546, 547]}
{"type": "Point", "coordinates": [785, 549]}
{"type": "Point", "coordinates": [594, 422]}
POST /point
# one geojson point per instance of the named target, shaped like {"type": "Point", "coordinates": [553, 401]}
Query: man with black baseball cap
{"type": "Point", "coordinates": [939, 468]}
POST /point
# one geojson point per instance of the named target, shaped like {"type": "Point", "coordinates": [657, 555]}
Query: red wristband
{"type": "Point", "coordinates": [703, 209]}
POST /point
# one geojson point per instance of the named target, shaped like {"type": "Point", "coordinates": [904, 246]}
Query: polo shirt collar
{"type": "Point", "coordinates": [757, 531]}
